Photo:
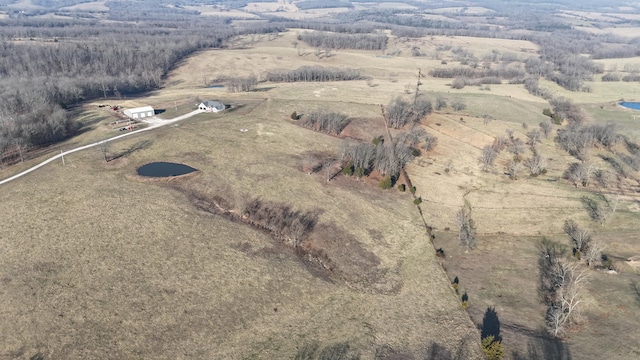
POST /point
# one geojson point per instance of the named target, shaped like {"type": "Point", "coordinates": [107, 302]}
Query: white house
{"type": "Point", "coordinates": [139, 113]}
{"type": "Point", "coordinates": [211, 106]}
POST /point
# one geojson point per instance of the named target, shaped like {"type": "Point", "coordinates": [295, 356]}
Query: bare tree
{"type": "Point", "coordinates": [564, 309]}
{"type": "Point", "coordinates": [561, 288]}
{"type": "Point", "coordinates": [466, 228]}
{"type": "Point", "coordinates": [499, 144]}
{"type": "Point", "coordinates": [603, 178]}
{"type": "Point", "coordinates": [579, 173]}
{"type": "Point", "coordinates": [329, 168]}
{"type": "Point", "coordinates": [441, 103]}
{"type": "Point", "coordinates": [546, 127]}
{"type": "Point", "coordinates": [486, 119]}
{"type": "Point", "coordinates": [536, 164]}
{"type": "Point", "coordinates": [593, 254]}
{"type": "Point", "coordinates": [430, 142]}
{"type": "Point", "coordinates": [534, 136]}
{"type": "Point", "coordinates": [580, 238]}
{"type": "Point", "coordinates": [604, 212]}
{"type": "Point", "coordinates": [488, 157]}
{"type": "Point", "coordinates": [516, 146]}
{"type": "Point", "coordinates": [513, 168]}
{"type": "Point", "coordinates": [311, 163]}
{"type": "Point", "coordinates": [458, 104]}
{"type": "Point", "coordinates": [326, 121]}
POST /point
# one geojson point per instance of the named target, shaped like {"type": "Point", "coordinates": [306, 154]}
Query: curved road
{"type": "Point", "coordinates": [154, 124]}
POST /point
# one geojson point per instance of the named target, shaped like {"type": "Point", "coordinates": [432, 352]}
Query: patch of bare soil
{"type": "Point", "coordinates": [363, 128]}
{"type": "Point", "coordinates": [346, 259]}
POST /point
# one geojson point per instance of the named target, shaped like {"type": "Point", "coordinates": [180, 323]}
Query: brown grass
{"type": "Point", "coordinates": [97, 265]}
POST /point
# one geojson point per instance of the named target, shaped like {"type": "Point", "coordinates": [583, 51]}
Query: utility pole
{"type": "Point", "coordinates": [62, 155]}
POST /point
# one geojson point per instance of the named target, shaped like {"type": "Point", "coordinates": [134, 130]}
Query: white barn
{"type": "Point", "coordinates": [139, 113]}
{"type": "Point", "coordinates": [211, 106]}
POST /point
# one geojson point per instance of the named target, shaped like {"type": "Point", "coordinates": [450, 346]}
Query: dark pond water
{"type": "Point", "coordinates": [631, 105]}
{"type": "Point", "coordinates": [164, 169]}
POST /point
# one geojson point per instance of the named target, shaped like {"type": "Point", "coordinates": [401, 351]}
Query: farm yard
{"type": "Point", "coordinates": [282, 242]}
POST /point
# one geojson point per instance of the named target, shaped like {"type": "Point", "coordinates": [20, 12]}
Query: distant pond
{"type": "Point", "coordinates": [631, 105]}
{"type": "Point", "coordinates": [164, 169]}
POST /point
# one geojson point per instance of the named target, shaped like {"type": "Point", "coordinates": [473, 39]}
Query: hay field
{"type": "Point", "coordinates": [101, 265]}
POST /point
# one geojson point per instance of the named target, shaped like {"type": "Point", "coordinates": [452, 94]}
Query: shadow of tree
{"type": "Point", "coordinates": [491, 325]}
{"type": "Point", "coordinates": [461, 351]}
{"type": "Point", "coordinates": [140, 145]}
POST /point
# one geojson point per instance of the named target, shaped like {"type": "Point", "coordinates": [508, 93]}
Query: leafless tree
{"type": "Point", "coordinates": [247, 84]}
{"type": "Point", "coordinates": [603, 178]}
{"type": "Point", "coordinates": [326, 121]}
{"type": "Point", "coordinates": [466, 228]}
{"type": "Point", "coordinates": [361, 154]}
{"type": "Point", "coordinates": [441, 103]}
{"type": "Point", "coordinates": [579, 173]}
{"type": "Point", "coordinates": [546, 127]}
{"type": "Point", "coordinates": [312, 162]}
{"type": "Point", "coordinates": [568, 110]}
{"type": "Point", "coordinates": [580, 238]}
{"type": "Point", "coordinates": [534, 136]}
{"type": "Point", "coordinates": [509, 133]}
{"type": "Point", "coordinates": [606, 135]}
{"type": "Point", "coordinates": [430, 142]}
{"type": "Point", "coordinates": [516, 146]}
{"type": "Point", "coordinates": [564, 310]}
{"type": "Point", "coordinates": [488, 157]}
{"type": "Point", "coordinates": [323, 39]}
{"type": "Point", "coordinates": [536, 164]}
{"type": "Point", "coordinates": [313, 74]}
{"type": "Point", "coordinates": [499, 144]}
{"type": "Point", "coordinates": [513, 168]}
{"type": "Point", "coordinates": [329, 168]}
{"type": "Point", "coordinates": [593, 254]}
{"type": "Point", "coordinates": [606, 210]}
{"type": "Point", "coordinates": [397, 113]}
{"type": "Point", "coordinates": [458, 104]}
{"type": "Point", "coordinates": [486, 119]}
{"type": "Point", "coordinates": [561, 289]}
{"type": "Point", "coordinates": [400, 112]}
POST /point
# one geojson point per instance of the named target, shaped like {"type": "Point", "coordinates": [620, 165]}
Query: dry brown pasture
{"type": "Point", "coordinates": [99, 265]}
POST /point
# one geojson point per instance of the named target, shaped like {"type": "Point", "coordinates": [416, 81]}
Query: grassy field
{"type": "Point", "coordinates": [100, 264]}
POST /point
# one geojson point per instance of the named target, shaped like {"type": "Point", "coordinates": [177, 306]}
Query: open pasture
{"type": "Point", "coordinates": [139, 271]}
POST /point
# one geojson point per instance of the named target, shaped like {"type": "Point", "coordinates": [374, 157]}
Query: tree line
{"type": "Point", "coordinates": [326, 40]}
{"type": "Point", "coordinates": [322, 4]}
{"type": "Point", "coordinates": [314, 73]}
{"type": "Point", "coordinates": [326, 121]}
{"type": "Point", "coordinates": [502, 72]}
{"type": "Point", "coordinates": [401, 112]}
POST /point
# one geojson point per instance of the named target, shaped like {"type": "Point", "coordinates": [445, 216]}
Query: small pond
{"type": "Point", "coordinates": [164, 169]}
{"type": "Point", "coordinates": [631, 105]}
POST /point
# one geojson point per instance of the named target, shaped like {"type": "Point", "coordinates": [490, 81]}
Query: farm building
{"type": "Point", "coordinates": [139, 113]}
{"type": "Point", "coordinates": [211, 106]}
